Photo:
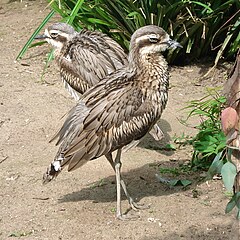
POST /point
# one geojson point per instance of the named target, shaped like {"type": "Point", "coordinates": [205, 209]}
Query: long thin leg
{"type": "Point", "coordinates": [133, 204]}
{"type": "Point", "coordinates": [118, 180]}
{"type": "Point", "coordinates": [117, 166]}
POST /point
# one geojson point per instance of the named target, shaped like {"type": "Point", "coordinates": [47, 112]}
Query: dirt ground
{"type": "Point", "coordinates": [80, 204]}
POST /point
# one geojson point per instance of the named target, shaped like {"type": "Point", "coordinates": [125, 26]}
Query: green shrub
{"type": "Point", "coordinates": [203, 27]}
{"type": "Point", "coordinates": [210, 140]}
{"type": "Point", "coordinates": [210, 150]}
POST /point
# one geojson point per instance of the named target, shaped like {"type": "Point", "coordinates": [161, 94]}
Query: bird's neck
{"type": "Point", "coordinates": [150, 64]}
{"type": "Point", "coordinates": [142, 60]}
{"type": "Point", "coordinates": [152, 76]}
{"type": "Point", "coordinates": [57, 53]}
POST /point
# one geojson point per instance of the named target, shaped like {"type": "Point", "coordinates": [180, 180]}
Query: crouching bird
{"type": "Point", "coordinates": [117, 111]}
{"type": "Point", "coordinates": [84, 58]}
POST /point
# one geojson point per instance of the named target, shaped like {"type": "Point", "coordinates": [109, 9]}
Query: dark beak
{"type": "Point", "coordinates": [43, 36]}
{"type": "Point", "coordinates": [174, 44]}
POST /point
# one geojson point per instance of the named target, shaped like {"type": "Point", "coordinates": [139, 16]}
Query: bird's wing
{"type": "Point", "coordinates": [115, 52]}
{"type": "Point", "coordinates": [90, 56]}
{"type": "Point", "coordinates": [108, 118]}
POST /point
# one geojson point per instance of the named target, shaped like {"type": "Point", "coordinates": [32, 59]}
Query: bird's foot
{"type": "Point", "coordinates": [136, 206]}
{"type": "Point", "coordinates": [127, 217]}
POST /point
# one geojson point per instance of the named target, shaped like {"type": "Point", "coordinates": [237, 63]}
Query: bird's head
{"type": "Point", "coordinates": [151, 39]}
{"type": "Point", "coordinates": [58, 34]}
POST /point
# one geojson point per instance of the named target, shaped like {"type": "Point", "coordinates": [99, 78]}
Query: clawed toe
{"type": "Point", "coordinates": [136, 206]}
{"type": "Point", "coordinates": [127, 217]}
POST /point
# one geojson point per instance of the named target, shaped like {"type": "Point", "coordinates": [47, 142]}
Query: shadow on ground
{"type": "Point", "coordinates": [149, 142]}
{"type": "Point", "coordinates": [141, 183]}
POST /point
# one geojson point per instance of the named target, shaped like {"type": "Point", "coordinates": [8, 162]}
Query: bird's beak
{"type": "Point", "coordinates": [43, 36]}
{"type": "Point", "coordinates": [174, 44]}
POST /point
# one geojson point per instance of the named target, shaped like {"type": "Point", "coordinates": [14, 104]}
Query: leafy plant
{"type": "Point", "coordinates": [210, 148]}
{"type": "Point", "coordinates": [173, 182]}
{"type": "Point", "coordinates": [202, 27]}
{"type": "Point", "coordinates": [175, 170]}
{"type": "Point", "coordinates": [210, 140]}
{"type": "Point", "coordinates": [228, 171]}
{"type": "Point", "coordinates": [234, 202]}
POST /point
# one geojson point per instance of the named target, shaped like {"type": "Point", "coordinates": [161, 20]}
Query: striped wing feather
{"type": "Point", "coordinates": [90, 56]}
{"type": "Point", "coordinates": [104, 121]}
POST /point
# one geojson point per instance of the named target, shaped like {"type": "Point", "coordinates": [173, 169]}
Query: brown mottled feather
{"type": "Point", "coordinates": [88, 57]}
{"type": "Point", "coordinates": [114, 119]}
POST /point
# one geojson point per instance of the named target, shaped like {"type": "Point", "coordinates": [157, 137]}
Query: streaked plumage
{"type": "Point", "coordinates": [119, 110]}
{"type": "Point", "coordinates": [85, 58]}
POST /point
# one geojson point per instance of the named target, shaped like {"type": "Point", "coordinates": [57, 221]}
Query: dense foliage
{"type": "Point", "coordinates": [210, 140]}
{"type": "Point", "coordinates": [204, 28]}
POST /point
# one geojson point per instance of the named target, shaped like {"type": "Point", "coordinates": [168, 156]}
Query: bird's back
{"type": "Point", "coordinates": [88, 57]}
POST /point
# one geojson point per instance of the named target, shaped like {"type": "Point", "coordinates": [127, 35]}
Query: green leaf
{"type": "Point", "coordinates": [235, 201]}
{"type": "Point", "coordinates": [49, 59]}
{"type": "Point", "coordinates": [189, 46]}
{"type": "Point", "coordinates": [170, 146]}
{"type": "Point", "coordinates": [229, 173]}
{"type": "Point", "coordinates": [216, 166]}
{"type": "Point", "coordinates": [98, 21]}
{"type": "Point", "coordinates": [231, 204]}
{"type": "Point", "coordinates": [174, 182]}
{"type": "Point", "coordinates": [186, 182]}
{"type": "Point", "coordinates": [132, 14]}
{"type": "Point", "coordinates": [238, 199]}
{"type": "Point", "coordinates": [203, 5]}
{"type": "Point", "coordinates": [37, 44]}
{"type": "Point", "coordinates": [238, 215]}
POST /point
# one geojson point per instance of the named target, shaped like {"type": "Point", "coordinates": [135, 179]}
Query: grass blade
{"type": "Point", "coordinates": [75, 11]}
{"type": "Point", "coordinates": [49, 59]}
{"type": "Point", "coordinates": [26, 46]}
{"type": "Point", "coordinates": [203, 5]}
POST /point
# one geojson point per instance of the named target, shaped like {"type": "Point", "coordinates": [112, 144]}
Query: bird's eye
{"type": "Point", "coordinates": [153, 38]}
{"type": "Point", "coordinates": [53, 34]}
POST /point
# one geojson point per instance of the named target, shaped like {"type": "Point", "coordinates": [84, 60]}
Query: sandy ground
{"type": "Point", "coordinates": [81, 204]}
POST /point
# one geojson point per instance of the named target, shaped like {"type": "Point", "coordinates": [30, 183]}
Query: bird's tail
{"type": "Point", "coordinates": [53, 170]}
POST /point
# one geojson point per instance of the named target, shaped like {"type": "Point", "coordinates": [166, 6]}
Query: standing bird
{"type": "Point", "coordinates": [118, 110]}
{"type": "Point", "coordinates": [85, 58]}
